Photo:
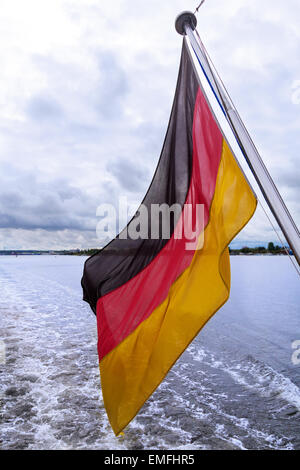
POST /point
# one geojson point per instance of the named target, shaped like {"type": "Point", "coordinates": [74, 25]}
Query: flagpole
{"type": "Point", "coordinates": [186, 24]}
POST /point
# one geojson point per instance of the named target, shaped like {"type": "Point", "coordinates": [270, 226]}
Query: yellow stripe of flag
{"type": "Point", "coordinates": [131, 372]}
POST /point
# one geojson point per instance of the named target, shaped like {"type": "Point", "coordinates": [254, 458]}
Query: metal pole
{"type": "Point", "coordinates": [186, 24]}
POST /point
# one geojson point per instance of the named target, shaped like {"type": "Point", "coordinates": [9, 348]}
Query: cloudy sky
{"type": "Point", "coordinates": [86, 91]}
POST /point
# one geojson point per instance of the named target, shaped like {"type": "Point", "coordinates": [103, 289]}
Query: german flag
{"type": "Point", "coordinates": [151, 295]}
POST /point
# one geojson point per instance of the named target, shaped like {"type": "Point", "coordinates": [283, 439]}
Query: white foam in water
{"type": "Point", "coordinates": [260, 378]}
{"type": "Point", "coordinates": [50, 385]}
{"type": "Point", "coordinates": [268, 382]}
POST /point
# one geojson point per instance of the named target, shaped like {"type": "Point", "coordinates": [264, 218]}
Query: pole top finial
{"type": "Point", "coordinates": [185, 17]}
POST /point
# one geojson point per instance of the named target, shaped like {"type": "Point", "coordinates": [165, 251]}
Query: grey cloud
{"type": "Point", "coordinates": [12, 239]}
{"type": "Point", "coordinates": [290, 178]}
{"type": "Point", "coordinates": [104, 90]}
{"type": "Point", "coordinates": [113, 85]}
{"type": "Point", "coordinates": [10, 200]}
{"type": "Point", "coordinates": [44, 108]}
{"type": "Point", "coordinates": [52, 205]}
{"type": "Point", "coordinates": [130, 176]}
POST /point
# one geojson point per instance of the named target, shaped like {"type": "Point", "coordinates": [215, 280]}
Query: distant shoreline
{"type": "Point", "coordinates": [272, 250]}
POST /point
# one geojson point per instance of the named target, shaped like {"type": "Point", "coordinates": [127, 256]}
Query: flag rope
{"type": "Point", "coordinates": [198, 7]}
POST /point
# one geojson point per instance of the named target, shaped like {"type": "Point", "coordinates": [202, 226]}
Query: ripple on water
{"type": "Point", "coordinates": [50, 385]}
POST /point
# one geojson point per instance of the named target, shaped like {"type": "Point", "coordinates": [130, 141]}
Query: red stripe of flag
{"type": "Point", "coordinates": [119, 312]}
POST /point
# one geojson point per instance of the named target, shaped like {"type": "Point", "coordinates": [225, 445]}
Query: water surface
{"type": "Point", "coordinates": [235, 387]}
